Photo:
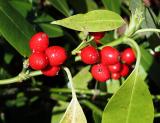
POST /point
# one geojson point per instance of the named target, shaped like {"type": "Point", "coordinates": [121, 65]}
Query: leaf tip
{"type": "Point", "coordinates": [54, 22]}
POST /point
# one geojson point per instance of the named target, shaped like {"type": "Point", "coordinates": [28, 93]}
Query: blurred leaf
{"type": "Point", "coordinates": [22, 7]}
{"type": "Point", "coordinates": [132, 96]}
{"type": "Point", "coordinates": [82, 78]}
{"type": "Point", "coordinates": [79, 6]}
{"type": "Point", "coordinates": [91, 5]}
{"type": "Point", "coordinates": [44, 18]}
{"type": "Point", "coordinates": [97, 118]}
{"type": "Point", "coordinates": [112, 86]}
{"type": "Point", "coordinates": [149, 20]}
{"type": "Point", "coordinates": [142, 72]}
{"type": "Point", "coordinates": [113, 5]}
{"type": "Point", "coordinates": [146, 59]}
{"type": "Point", "coordinates": [136, 4]}
{"type": "Point", "coordinates": [58, 111]}
{"type": "Point", "coordinates": [15, 29]}
{"type": "Point", "coordinates": [93, 21]}
{"type": "Point", "coordinates": [53, 31]}
{"type": "Point", "coordinates": [92, 106]}
{"type": "Point", "coordinates": [62, 6]}
{"type": "Point", "coordinates": [83, 6]}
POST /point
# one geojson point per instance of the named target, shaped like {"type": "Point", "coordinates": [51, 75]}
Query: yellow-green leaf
{"type": "Point", "coordinates": [93, 21]}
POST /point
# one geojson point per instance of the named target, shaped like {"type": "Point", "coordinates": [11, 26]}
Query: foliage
{"type": "Point", "coordinates": [79, 99]}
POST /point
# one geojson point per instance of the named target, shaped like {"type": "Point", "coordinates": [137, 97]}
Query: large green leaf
{"type": "Point", "coordinates": [132, 103]}
{"type": "Point", "coordinates": [113, 5]}
{"type": "Point", "coordinates": [14, 28]}
{"type": "Point", "coordinates": [81, 82]}
{"type": "Point", "coordinates": [93, 21]}
{"type": "Point", "coordinates": [62, 6]}
{"type": "Point", "coordinates": [22, 7]}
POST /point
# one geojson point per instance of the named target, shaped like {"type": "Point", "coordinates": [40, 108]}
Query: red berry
{"type": "Point", "coordinates": [38, 61]}
{"type": "Point", "coordinates": [89, 55]}
{"type": "Point", "coordinates": [115, 68]}
{"type": "Point", "coordinates": [39, 42]}
{"type": "Point", "coordinates": [115, 76]}
{"type": "Point", "coordinates": [97, 36]}
{"type": "Point", "coordinates": [128, 56]}
{"type": "Point", "coordinates": [56, 55]}
{"type": "Point", "coordinates": [124, 70]}
{"type": "Point", "coordinates": [51, 70]}
{"type": "Point", "coordinates": [100, 72]}
{"type": "Point", "coordinates": [109, 55]}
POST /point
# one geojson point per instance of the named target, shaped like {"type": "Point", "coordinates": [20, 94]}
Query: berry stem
{"type": "Point", "coordinates": [146, 30]}
{"type": "Point", "coordinates": [80, 91]}
{"type": "Point", "coordinates": [20, 77]}
{"type": "Point", "coordinates": [70, 81]}
{"type": "Point", "coordinates": [113, 43]}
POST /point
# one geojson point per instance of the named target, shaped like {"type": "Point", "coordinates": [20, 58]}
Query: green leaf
{"type": "Point", "coordinates": [113, 5]}
{"type": "Point", "coordinates": [133, 96]}
{"type": "Point", "coordinates": [14, 28]}
{"type": "Point", "coordinates": [93, 21]}
{"type": "Point", "coordinates": [132, 103]}
{"type": "Point", "coordinates": [44, 18]}
{"type": "Point", "coordinates": [97, 118]}
{"type": "Point", "coordinates": [149, 21]}
{"type": "Point", "coordinates": [91, 5]}
{"type": "Point", "coordinates": [58, 111]}
{"type": "Point", "coordinates": [79, 78]}
{"type": "Point", "coordinates": [112, 86]}
{"type": "Point", "coordinates": [22, 7]}
{"type": "Point", "coordinates": [62, 6]}
{"type": "Point", "coordinates": [146, 59]}
{"type": "Point", "coordinates": [136, 5]}
{"type": "Point", "coordinates": [53, 31]}
{"type": "Point", "coordinates": [142, 72]}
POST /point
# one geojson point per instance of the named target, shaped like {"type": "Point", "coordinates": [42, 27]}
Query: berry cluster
{"type": "Point", "coordinates": [44, 58]}
{"type": "Point", "coordinates": [109, 63]}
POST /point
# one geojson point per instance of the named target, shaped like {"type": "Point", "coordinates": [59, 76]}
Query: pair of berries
{"type": "Point", "coordinates": [109, 62]}
{"type": "Point", "coordinates": [44, 58]}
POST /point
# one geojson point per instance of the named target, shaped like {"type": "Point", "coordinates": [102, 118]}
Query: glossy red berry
{"type": "Point", "coordinates": [89, 55]}
{"type": "Point", "coordinates": [100, 72]}
{"type": "Point", "coordinates": [115, 76]}
{"type": "Point", "coordinates": [97, 36]}
{"type": "Point", "coordinates": [56, 55]}
{"type": "Point", "coordinates": [128, 56]}
{"type": "Point", "coordinates": [124, 70]}
{"type": "Point", "coordinates": [51, 71]}
{"type": "Point", "coordinates": [39, 42]}
{"type": "Point", "coordinates": [115, 68]}
{"type": "Point", "coordinates": [38, 61]}
{"type": "Point", "coordinates": [109, 55]}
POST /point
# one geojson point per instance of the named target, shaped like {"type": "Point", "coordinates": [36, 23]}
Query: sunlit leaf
{"type": "Point", "coordinates": [93, 21]}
